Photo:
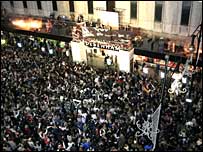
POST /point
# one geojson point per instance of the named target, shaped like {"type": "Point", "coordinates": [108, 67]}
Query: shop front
{"type": "Point", "coordinates": [103, 48]}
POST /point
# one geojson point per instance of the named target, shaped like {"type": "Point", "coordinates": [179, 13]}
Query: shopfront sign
{"type": "Point", "coordinates": [103, 46]}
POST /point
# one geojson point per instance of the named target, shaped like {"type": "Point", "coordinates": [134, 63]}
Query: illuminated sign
{"type": "Point", "coordinates": [103, 46]}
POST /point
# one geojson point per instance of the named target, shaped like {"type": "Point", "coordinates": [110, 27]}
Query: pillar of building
{"type": "Point", "coordinates": [78, 52]}
{"type": "Point", "coordinates": [124, 58]}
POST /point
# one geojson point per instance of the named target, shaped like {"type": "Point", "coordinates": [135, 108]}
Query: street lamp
{"type": "Point", "coordinates": [165, 74]}
{"type": "Point", "coordinates": [176, 86]}
{"type": "Point", "coordinates": [150, 126]}
{"type": "Point", "coordinates": [196, 34]}
{"type": "Point", "coordinates": [146, 128]}
{"type": "Point", "coordinates": [191, 48]}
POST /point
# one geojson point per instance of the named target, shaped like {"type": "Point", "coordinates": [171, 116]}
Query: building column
{"type": "Point", "coordinates": [78, 52]}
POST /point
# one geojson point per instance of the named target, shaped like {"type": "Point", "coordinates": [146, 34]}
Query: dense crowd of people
{"type": "Point", "coordinates": [50, 103]}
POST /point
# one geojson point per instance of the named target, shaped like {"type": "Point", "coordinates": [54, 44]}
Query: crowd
{"type": "Point", "coordinates": [50, 103]}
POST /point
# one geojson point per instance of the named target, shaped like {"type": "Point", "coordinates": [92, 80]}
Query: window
{"type": "Point", "coordinates": [39, 6]}
{"type": "Point", "coordinates": [90, 7]}
{"type": "Point", "coordinates": [158, 11]}
{"type": "Point", "coordinates": [185, 12]}
{"type": "Point", "coordinates": [54, 5]}
{"type": "Point", "coordinates": [25, 4]}
{"type": "Point", "coordinates": [12, 4]}
{"type": "Point", "coordinates": [133, 9]}
{"type": "Point", "coordinates": [71, 4]}
{"type": "Point", "coordinates": [110, 6]}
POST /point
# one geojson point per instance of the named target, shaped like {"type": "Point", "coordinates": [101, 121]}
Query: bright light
{"type": "Point", "coordinates": [191, 48]}
{"type": "Point", "coordinates": [27, 24]}
{"type": "Point", "coordinates": [19, 45]}
{"type": "Point", "coordinates": [162, 75]}
{"type": "Point", "coordinates": [61, 98]}
{"type": "Point", "coordinates": [43, 49]}
{"type": "Point", "coordinates": [108, 61]}
{"type": "Point", "coordinates": [63, 63]}
{"type": "Point", "coordinates": [62, 44]}
{"type": "Point", "coordinates": [51, 51]}
{"type": "Point", "coordinates": [3, 41]}
{"type": "Point", "coordinates": [34, 24]}
{"type": "Point", "coordinates": [184, 80]}
{"type": "Point", "coordinates": [177, 76]}
{"type": "Point", "coordinates": [189, 100]}
{"type": "Point", "coordinates": [108, 18]}
{"type": "Point", "coordinates": [31, 38]}
{"type": "Point", "coordinates": [173, 47]}
{"type": "Point", "coordinates": [145, 70]}
{"type": "Point", "coordinates": [67, 53]}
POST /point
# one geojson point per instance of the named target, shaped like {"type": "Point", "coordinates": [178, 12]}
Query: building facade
{"type": "Point", "coordinates": [170, 17]}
